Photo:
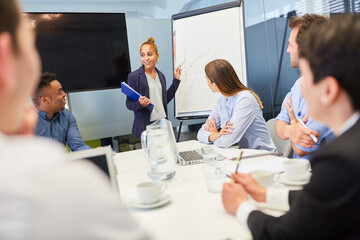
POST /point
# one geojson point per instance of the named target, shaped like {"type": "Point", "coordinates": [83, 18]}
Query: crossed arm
{"type": "Point", "coordinates": [211, 126]}
{"type": "Point", "coordinates": [298, 134]}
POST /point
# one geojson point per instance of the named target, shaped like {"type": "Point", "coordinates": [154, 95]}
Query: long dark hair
{"type": "Point", "coordinates": [224, 76]}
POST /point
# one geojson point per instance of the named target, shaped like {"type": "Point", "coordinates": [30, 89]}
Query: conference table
{"type": "Point", "coordinates": [193, 212]}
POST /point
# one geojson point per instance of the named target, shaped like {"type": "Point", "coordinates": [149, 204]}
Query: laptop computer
{"type": "Point", "coordinates": [102, 158]}
{"type": "Point", "coordinates": [193, 157]}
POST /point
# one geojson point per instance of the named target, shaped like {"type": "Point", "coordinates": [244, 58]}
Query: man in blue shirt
{"type": "Point", "coordinates": [294, 106]}
{"type": "Point", "coordinates": [55, 121]}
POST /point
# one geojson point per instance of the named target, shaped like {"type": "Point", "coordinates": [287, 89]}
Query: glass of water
{"type": "Point", "coordinates": [214, 176]}
{"type": "Point", "coordinates": [209, 154]}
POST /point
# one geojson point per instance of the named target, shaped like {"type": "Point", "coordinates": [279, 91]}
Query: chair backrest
{"type": "Point", "coordinates": [283, 146]}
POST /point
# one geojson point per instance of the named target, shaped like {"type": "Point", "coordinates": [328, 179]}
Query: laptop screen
{"type": "Point", "coordinates": [102, 158]}
{"type": "Point", "coordinates": [101, 162]}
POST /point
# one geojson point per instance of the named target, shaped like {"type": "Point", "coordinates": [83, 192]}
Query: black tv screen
{"type": "Point", "coordinates": [87, 51]}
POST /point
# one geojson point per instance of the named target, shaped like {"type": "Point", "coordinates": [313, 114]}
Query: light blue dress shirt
{"type": "Point", "coordinates": [62, 128]}
{"type": "Point", "coordinates": [300, 110]}
{"type": "Point", "coordinates": [250, 130]}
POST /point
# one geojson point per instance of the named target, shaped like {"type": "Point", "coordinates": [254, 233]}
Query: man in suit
{"type": "Point", "coordinates": [328, 207]}
{"type": "Point", "coordinates": [54, 120]}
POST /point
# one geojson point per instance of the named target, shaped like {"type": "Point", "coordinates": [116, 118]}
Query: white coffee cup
{"type": "Point", "coordinates": [296, 169]}
{"type": "Point", "coordinates": [264, 177]}
{"type": "Point", "coordinates": [150, 192]}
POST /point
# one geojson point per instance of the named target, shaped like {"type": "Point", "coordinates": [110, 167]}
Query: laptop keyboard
{"type": "Point", "coordinates": [190, 155]}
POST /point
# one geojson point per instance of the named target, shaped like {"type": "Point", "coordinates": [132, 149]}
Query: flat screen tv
{"type": "Point", "coordinates": [87, 51]}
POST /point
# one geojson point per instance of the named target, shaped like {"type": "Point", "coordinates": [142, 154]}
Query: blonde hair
{"type": "Point", "coordinates": [224, 76]}
{"type": "Point", "coordinates": [151, 42]}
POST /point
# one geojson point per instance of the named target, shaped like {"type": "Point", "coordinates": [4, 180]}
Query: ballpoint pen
{"type": "Point", "coordinates": [312, 136]}
{"type": "Point", "coordinates": [237, 164]}
{"type": "Point", "coordinates": [238, 160]}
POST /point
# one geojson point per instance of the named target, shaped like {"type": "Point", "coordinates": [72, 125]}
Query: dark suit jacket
{"type": "Point", "coordinates": [329, 205]}
{"type": "Point", "coordinates": [137, 80]}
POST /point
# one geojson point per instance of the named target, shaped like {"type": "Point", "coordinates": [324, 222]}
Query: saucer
{"type": "Point", "coordinates": [284, 180]}
{"type": "Point", "coordinates": [135, 203]}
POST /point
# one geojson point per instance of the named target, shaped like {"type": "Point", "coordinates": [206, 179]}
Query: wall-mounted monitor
{"type": "Point", "coordinates": [87, 51]}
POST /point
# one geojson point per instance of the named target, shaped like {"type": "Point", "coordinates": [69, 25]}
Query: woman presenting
{"type": "Point", "coordinates": [150, 83]}
{"type": "Point", "coordinates": [237, 117]}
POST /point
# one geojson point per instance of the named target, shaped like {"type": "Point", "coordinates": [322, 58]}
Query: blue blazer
{"type": "Point", "coordinates": [137, 80]}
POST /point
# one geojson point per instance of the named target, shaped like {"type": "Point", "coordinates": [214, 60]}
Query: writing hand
{"type": "Point", "coordinates": [233, 194]}
{"type": "Point", "coordinates": [251, 186]}
{"type": "Point", "coordinates": [144, 101]}
{"type": "Point", "coordinates": [177, 72]}
{"type": "Point", "coordinates": [300, 135]}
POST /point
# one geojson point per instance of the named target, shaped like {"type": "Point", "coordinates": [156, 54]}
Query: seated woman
{"type": "Point", "coordinates": [237, 114]}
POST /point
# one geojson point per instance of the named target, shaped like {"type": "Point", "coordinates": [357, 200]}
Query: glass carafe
{"type": "Point", "coordinates": [158, 142]}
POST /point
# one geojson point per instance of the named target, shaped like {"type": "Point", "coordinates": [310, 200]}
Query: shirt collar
{"type": "Point", "coordinates": [231, 99]}
{"type": "Point", "coordinates": [45, 116]}
{"type": "Point", "coordinates": [350, 122]}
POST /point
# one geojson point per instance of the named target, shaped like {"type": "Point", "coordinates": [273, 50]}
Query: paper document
{"type": "Point", "coordinates": [134, 95]}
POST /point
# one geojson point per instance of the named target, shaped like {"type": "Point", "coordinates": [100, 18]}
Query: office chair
{"type": "Point", "coordinates": [283, 146]}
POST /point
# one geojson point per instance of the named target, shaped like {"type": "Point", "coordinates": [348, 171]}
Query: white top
{"type": "Point", "coordinates": [155, 94]}
{"type": "Point", "coordinates": [45, 196]}
{"type": "Point", "coordinates": [250, 130]}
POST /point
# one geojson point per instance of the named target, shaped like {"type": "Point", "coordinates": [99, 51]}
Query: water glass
{"type": "Point", "coordinates": [209, 154]}
{"type": "Point", "coordinates": [214, 176]}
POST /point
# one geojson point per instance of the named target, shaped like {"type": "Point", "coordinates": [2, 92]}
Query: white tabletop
{"type": "Point", "coordinates": [193, 212]}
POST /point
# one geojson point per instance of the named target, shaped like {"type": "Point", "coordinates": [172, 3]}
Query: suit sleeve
{"type": "Point", "coordinates": [73, 137]}
{"type": "Point", "coordinates": [132, 105]}
{"type": "Point", "coordinates": [172, 89]}
{"type": "Point", "coordinates": [323, 210]}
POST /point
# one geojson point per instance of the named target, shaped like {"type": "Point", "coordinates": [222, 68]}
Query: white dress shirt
{"type": "Point", "coordinates": [45, 196]}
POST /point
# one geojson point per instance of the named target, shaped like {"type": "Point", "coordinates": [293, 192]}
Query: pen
{"type": "Point", "coordinates": [312, 136]}
{"type": "Point", "coordinates": [237, 165]}
{"type": "Point", "coordinates": [238, 160]}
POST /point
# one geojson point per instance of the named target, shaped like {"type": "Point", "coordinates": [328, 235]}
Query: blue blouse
{"type": "Point", "coordinates": [250, 130]}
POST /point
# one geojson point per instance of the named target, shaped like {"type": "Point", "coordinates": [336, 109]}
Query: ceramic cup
{"type": "Point", "coordinates": [296, 169]}
{"type": "Point", "coordinates": [150, 192]}
{"type": "Point", "coordinates": [264, 177]}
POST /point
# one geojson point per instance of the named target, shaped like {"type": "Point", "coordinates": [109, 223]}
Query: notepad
{"type": "Point", "coordinates": [134, 95]}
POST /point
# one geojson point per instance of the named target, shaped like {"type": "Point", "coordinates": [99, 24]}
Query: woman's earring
{"type": "Point", "coordinates": [157, 61]}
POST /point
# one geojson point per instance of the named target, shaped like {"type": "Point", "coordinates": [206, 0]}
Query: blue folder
{"type": "Point", "coordinates": [134, 95]}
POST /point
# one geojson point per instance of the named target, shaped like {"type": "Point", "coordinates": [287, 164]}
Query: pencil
{"type": "Point", "coordinates": [238, 160]}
